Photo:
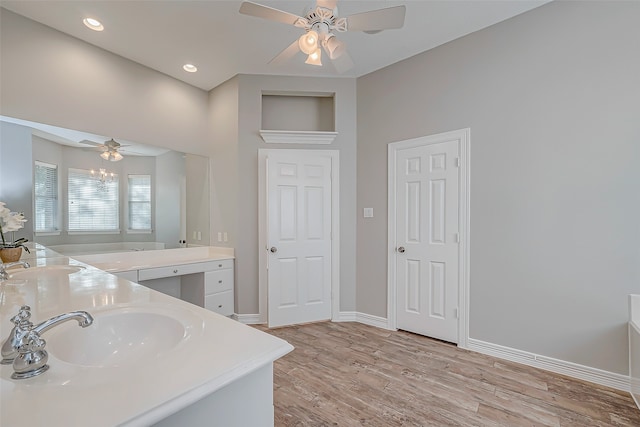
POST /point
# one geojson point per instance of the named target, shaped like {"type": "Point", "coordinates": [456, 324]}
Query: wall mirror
{"type": "Point", "coordinates": [83, 193]}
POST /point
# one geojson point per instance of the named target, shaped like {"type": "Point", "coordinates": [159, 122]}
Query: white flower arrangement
{"type": "Point", "coordinates": [11, 222]}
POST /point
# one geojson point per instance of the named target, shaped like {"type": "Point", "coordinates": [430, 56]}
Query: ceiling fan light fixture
{"type": "Point", "coordinates": [334, 47]}
{"type": "Point", "coordinates": [105, 155]}
{"type": "Point", "coordinates": [315, 57]}
{"type": "Point", "coordinates": [115, 156]}
{"type": "Point", "coordinates": [308, 42]}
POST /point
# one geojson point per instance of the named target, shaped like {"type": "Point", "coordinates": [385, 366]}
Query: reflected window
{"type": "Point", "coordinates": [93, 201]}
{"type": "Point", "coordinates": [46, 198]}
{"type": "Point", "coordinates": [139, 202]}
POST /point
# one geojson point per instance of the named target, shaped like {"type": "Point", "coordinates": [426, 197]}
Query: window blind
{"type": "Point", "coordinates": [139, 202]}
{"type": "Point", "coordinates": [93, 203]}
{"type": "Point", "coordinates": [46, 197]}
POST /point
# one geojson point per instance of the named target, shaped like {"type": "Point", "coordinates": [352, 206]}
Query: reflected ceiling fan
{"type": "Point", "coordinates": [110, 149]}
{"type": "Point", "coordinates": [321, 23]}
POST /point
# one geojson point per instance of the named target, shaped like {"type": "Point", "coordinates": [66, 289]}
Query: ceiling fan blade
{"type": "Point", "coordinates": [329, 4]}
{"type": "Point", "coordinates": [87, 142]}
{"type": "Point", "coordinates": [377, 20]}
{"type": "Point", "coordinates": [342, 63]}
{"type": "Point", "coordinates": [286, 54]}
{"type": "Point", "coordinates": [266, 12]}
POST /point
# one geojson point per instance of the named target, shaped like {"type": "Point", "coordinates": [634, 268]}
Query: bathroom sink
{"type": "Point", "coordinates": [118, 338]}
{"type": "Point", "coordinates": [45, 271]}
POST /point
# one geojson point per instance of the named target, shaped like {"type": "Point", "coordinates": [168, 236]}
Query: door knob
{"type": "Point", "coordinates": [273, 249]}
{"type": "Point", "coordinates": [401, 249]}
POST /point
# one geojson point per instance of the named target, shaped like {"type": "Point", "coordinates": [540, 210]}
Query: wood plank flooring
{"type": "Point", "coordinates": [349, 374]}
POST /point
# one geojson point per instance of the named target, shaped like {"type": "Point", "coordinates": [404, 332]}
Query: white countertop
{"type": "Point", "coordinates": [138, 260]}
{"type": "Point", "coordinates": [217, 351]}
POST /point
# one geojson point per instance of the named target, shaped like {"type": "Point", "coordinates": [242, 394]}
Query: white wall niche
{"type": "Point", "coordinates": [298, 118]}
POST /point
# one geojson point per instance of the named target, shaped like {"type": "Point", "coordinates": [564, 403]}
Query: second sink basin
{"type": "Point", "coordinates": [44, 271]}
{"type": "Point", "coordinates": [118, 338]}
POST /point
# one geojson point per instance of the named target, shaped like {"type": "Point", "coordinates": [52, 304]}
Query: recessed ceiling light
{"type": "Point", "coordinates": [190, 68]}
{"type": "Point", "coordinates": [94, 24]}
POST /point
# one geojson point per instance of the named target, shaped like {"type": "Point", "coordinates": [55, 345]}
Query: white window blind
{"type": "Point", "coordinates": [93, 203]}
{"type": "Point", "coordinates": [139, 202]}
{"type": "Point", "coordinates": [46, 197]}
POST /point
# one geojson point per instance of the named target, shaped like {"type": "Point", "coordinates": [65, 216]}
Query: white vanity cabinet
{"type": "Point", "coordinates": [207, 284]}
{"type": "Point", "coordinates": [216, 292]}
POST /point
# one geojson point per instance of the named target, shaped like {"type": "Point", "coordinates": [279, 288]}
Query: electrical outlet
{"type": "Point", "coordinates": [199, 235]}
{"type": "Point", "coordinates": [219, 236]}
{"type": "Point", "coordinates": [226, 238]}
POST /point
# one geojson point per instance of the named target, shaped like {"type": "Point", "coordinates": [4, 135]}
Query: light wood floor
{"type": "Point", "coordinates": [349, 374]}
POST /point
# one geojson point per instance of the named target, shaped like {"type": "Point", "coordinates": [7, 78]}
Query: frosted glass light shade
{"type": "Point", "coordinates": [315, 57]}
{"type": "Point", "coordinates": [334, 47]}
{"type": "Point", "coordinates": [105, 155]}
{"type": "Point", "coordinates": [308, 42]}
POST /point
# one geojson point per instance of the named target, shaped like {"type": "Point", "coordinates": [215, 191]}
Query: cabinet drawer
{"type": "Point", "coordinates": [218, 265]}
{"type": "Point", "coordinates": [218, 281]}
{"type": "Point", "coordinates": [221, 302]}
{"type": "Point", "coordinates": [181, 269]}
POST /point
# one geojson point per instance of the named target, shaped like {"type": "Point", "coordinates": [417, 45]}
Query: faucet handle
{"type": "Point", "coordinates": [22, 325]}
{"type": "Point", "coordinates": [22, 318]}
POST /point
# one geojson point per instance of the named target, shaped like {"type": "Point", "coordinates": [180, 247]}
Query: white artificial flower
{"type": "Point", "coordinates": [4, 212]}
{"type": "Point", "coordinates": [14, 222]}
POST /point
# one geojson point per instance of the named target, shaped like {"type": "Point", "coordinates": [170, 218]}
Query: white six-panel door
{"type": "Point", "coordinates": [427, 239]}
{"type": "Point", "coordinates": [298, 238]}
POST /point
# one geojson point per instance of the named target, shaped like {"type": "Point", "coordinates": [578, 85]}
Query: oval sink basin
{"type": "Point", "coordinates": [44, 271]}
{"type": "Point", "coordinates": [116, 339]}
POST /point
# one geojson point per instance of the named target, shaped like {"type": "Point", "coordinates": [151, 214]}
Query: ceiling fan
{"type": "Point", "coordinates": [110, 149]}
{"type": "Point", "coordinates": [320, 24]}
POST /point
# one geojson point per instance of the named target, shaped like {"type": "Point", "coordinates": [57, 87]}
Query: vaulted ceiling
{"type": "Point", "coordinates": [221, 42]}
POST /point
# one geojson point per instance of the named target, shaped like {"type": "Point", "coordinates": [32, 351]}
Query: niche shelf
{"type": "Point", "coordinates": [297, 137]}
{"type": "Point", "coordinates": [298, 118]}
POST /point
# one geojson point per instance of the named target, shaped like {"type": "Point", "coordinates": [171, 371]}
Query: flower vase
{"type": "Point", "coordinates": [10, 254]}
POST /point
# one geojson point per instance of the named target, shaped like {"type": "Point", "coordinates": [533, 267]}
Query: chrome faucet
{"type": "Point", "coordinates": [3, 268]}
{"type": "Point", "coordinates": [25, 348]}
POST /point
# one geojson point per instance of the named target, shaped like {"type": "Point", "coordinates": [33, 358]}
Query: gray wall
{"type": "Point", "coordinates": [551, 97]}
{"type": "Point", "coordinates": [235, 169]}
{"type": "Point", "coordinates": [170, 227]}
{"type": "Point", "coordinates": [16, 174]}
{"type": "Point", "coordinates": [49, 77]}
{"type": "Point", "coordinates": [197, 200]}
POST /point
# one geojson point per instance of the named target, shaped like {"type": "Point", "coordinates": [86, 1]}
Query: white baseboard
{"type": "Point", "coordinates": [364, 318]}
{"type": "Point", "coordinates": [586, 373]}
{"type": "Point", "coordinates": [570, 369]}
{"type": "Point", "coordinates": [247, 319]}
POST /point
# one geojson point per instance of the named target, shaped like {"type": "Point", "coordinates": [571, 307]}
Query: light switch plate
{"type": "Point", "coordinates": [368, 212]}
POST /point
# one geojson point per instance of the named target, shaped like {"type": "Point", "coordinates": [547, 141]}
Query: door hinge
{"type": "Point", "coordinates": [456, 237]}
{"type": "Point", "coordinates": [455, 313]}
{"type": "Point", "coordinates": [457, 162]}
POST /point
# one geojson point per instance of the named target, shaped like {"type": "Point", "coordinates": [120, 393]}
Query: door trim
{"type": "Point", "coordinates": [463, 137]}
{"type": "Point", "coordinates": [263, 153]}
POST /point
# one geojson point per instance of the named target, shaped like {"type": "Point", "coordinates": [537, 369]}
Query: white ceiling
{"type": "Point", "coordinates": [164, 35]}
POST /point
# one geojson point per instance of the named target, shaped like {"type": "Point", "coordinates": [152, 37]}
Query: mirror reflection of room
{"type": "Point", "coordinates": [90, 193]}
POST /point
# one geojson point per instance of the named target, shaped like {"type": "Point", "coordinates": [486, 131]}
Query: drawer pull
{"type": "Point", "coordinates": [219, 265]}
{"type": "Point", "coordinates": [219, 281]}
{"type": "Point", "coordinates": [175, 271]}
{"type": "Point", "coordinates": [220, 306]}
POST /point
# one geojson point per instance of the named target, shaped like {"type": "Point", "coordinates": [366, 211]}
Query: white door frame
{"type": "Point", "coordinates": [263, 258]}
{"type": "Point", "coordinates": [463, 137]}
